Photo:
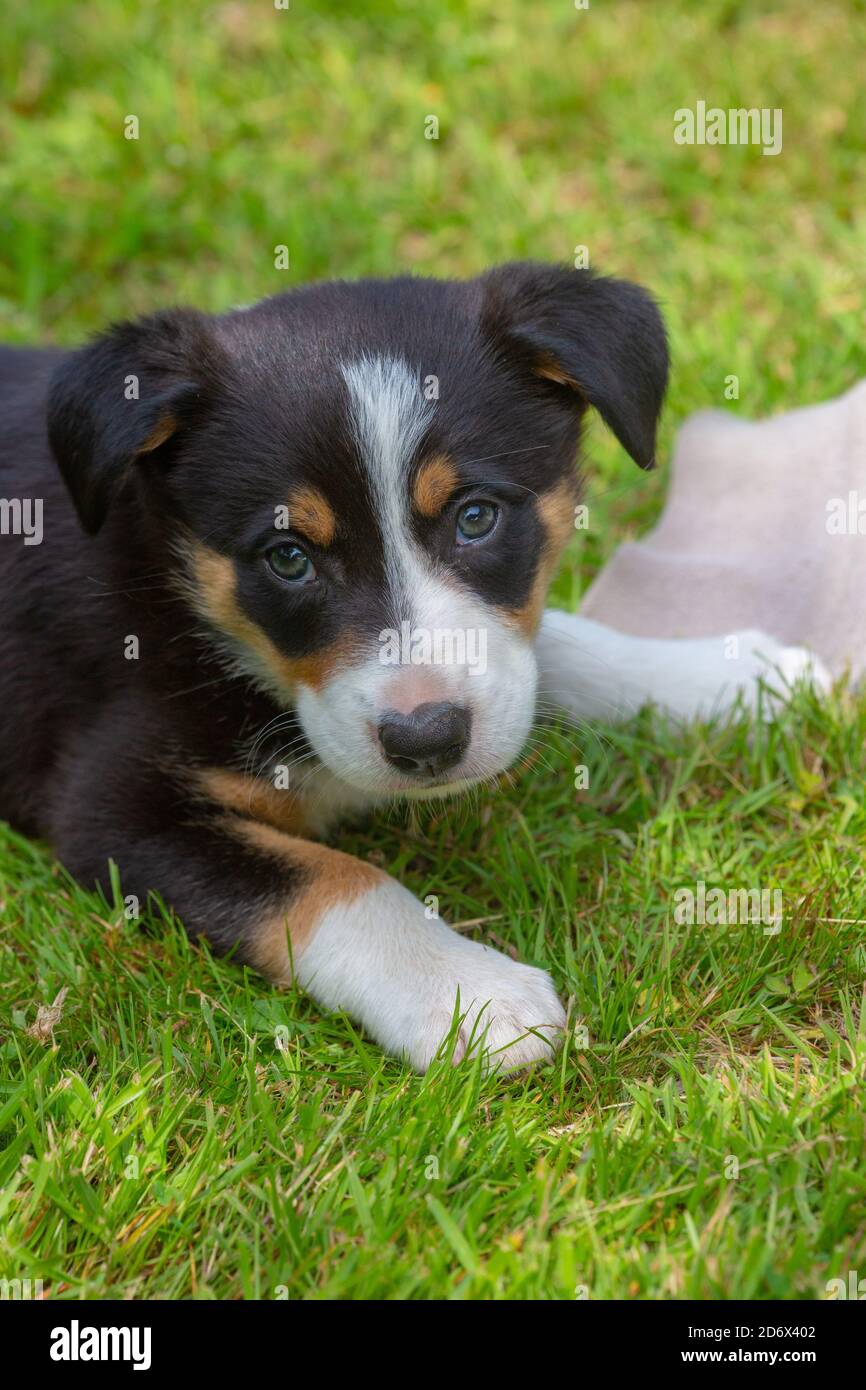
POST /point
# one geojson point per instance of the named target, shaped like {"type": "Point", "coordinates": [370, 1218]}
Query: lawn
{"type": "Point", "coordinates": [185, 1131]}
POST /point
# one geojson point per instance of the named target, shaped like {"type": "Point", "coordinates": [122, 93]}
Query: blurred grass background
{"type": "Point", "coordinates": [305, 127]}
{"type": "Point", "coordinates": [307, 1168]}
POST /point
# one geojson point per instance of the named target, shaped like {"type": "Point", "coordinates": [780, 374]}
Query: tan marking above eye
{"type": "Point", "coordinates": [556, 508]}
{"type": "Point", "coordinates": [556, 511]}
{"type": "Point", "coordinates": [312, 514]}
{"type": "Point", "coordinates": [211, 587]}
{"type": "Point", "coordinates": [435, 482]}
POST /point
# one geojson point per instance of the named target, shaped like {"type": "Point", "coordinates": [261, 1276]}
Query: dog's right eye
{"type": "Point", "coordinates": [476, 521]}
{"type": "Point", "coordinates": [291, 563]}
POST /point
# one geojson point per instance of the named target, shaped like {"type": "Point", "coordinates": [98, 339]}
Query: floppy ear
{"type": "Point", "coordinates": [124, 396]}
{"type": "Point", "coordinates": [601, 339]}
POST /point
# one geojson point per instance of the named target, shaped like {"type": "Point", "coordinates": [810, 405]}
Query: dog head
{"type": "Point", "coordinates": [368, 486]}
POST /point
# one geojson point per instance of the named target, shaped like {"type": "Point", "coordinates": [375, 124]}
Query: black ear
{"type": "Point", "coordinates": [125, 395]}
{"type": "Point", "coordinates": [602, 339]}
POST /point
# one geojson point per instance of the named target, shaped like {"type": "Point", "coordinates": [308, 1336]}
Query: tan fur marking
{"type": "Point", "coordinates": [214, 595]}
{"type": "Point", "coordinates": [312, 514]}
{"type": "Point", "coordinates": [254, 797]}
{"type": "Point", "coordinates": [162, 430]}
{"type": "Point", "coordinates": [548, 368]}
{"type": "Point", "coordinates": [556, 509]}
{"type": "Point", "coordinates": [434, 483]}
{"type": "Point", "coordinates": [333, 879]}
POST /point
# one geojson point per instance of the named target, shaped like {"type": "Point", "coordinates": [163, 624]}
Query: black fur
{"type": "Point", "coordinates": [96, 750]}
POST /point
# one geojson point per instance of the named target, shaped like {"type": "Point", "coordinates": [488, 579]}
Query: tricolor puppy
{"type": "Point", "coordinates": [306, 577]}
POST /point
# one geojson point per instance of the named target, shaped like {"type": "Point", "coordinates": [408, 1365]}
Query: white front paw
{"type": "Point", "coordinates": [403, 976]}
{"type": "Point", "coordinates": [597, 673]}
{"type": "Point", "coordinates": [509, 1011]}
{"type": "Point", "coordinates": [793, 663]}
{"type": "Point", "coordinates": [730, 668]}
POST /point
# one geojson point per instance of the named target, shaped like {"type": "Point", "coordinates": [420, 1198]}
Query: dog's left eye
{"type": "Point", "coordinates": [290, 562]}
{"type": "Point", "coordinates": [476, 520]}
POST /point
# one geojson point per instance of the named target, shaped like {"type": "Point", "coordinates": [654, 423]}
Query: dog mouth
{"type": "Point", "coordinates": [437, 784]}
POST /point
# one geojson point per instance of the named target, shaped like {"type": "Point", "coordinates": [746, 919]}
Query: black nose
{"type": "Point", "coordinates": [429, 740]}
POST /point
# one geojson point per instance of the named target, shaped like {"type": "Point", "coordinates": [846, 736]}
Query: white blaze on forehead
{"type": "Point", "coordinates": [390, 416]}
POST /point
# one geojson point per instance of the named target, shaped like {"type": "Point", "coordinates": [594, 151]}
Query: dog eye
{"type": "Point", "coordinates": [292, 563]}
{"type": "Point", "coordinates": [476, 520]}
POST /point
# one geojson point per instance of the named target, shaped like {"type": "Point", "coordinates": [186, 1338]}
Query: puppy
{"type": "Point", "coordinates": [293, 564]}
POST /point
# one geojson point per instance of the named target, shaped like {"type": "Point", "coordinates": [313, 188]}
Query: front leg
{"type": "Point", "coordinates": [372, 951]}
{"type": "Point", "coordinates": [594, 672]}
{"type": "Point", "coordinates": [348, 933]}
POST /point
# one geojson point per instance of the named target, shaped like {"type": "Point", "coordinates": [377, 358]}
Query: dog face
{"type": "Point", "coordinates": [367, 487]}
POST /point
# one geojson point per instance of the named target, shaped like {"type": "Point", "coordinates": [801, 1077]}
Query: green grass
{"type": "Point", "coordinates": [193, 1133]}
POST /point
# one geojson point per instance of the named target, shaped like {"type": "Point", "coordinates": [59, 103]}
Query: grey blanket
{"type": "Point", "coordinates": [764, 527]}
